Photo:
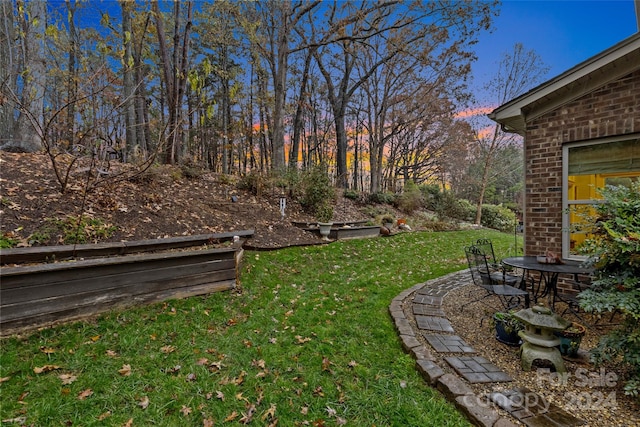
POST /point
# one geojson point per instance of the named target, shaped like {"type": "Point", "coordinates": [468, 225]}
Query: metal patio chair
{"type": "Point", "coordinates": [494, 281]}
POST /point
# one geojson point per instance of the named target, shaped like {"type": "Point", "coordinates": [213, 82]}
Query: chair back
{"type": "Point", "coordinates": [478, 266]}
{"type": "Point", "coordinates": [486, 247]}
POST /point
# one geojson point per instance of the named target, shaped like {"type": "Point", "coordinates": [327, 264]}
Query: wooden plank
{"type": "Point", "coordinates": [184, 241]}
{"type": "Point", "coordinates": [99, 297]}
{"type": "Point", "coordinates": [61, 252]}
{"type": "Point", "coordinates": [19, 276]}
{"type": "Point", "coordinates": [45, 286]}
{"type": "Point", "coordinates": [58, 252]}
{"type": "Point", "coordinates": [80, 312]}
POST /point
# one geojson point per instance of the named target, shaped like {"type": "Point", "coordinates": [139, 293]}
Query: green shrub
{"type": "Point", "coordinates": [190, 171]}
{"type": "Point", "coordinates": [71, 231]}
{"type": "Point", "coordinates": [318, 192]}
{"type": "Point", "coordinates": [445, 204]}
{"type": "Point", "coordinates": [7, 242]}
{"type": "Point", "coordinates": [324, 212]}
{"type": "Point", "coordinates": [410, 200]}
{"type": "Point", "coordinates": [438, 225]}
{"type": "Point", "coordinates": [616, 279]}
{"type": "Point", "coordinates": [466, 210]}
{"type": "Point", "coordinates": [351, 194]}
{"type": "Point", "coordinates": [498, 217]}
{"type": "Point", "coordinates": [382, 198]}
{"type": "Point", "coordinates": [253, 182]}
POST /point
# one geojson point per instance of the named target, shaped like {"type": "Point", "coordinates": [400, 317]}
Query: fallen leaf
{"type": "Point", "coordinates": [167, 349]}
{"type": "Point", "coordinates": [185, 410]}
{"type": "Point", "coordinates": [207, 422]}
{"type": "Point", "coordinates": [220, 395]}
{"type": "Point", "coordinates": [269, 413]}
{"type": "Point", "coordinates": [45, 368]}
{"type": "Point", "coordinates": [47, 350]}
{"type": "Point", "coordinates": [4, 379]}
{"type": "Point", "coordinates": [128, 423]}
{"type": "Point", "coordinates": [84, 394]}
{"type": "Point", "coordinates": [302, 340]}
{"type": "Point", "coordinates": [232, 416]}
{"type": "Point", "coordinates": [215, 366]}
{"type": "Point", "coordinates": [95, 338]}
{"type": "Point", "coordinates": [144, 402]}
{"type": "Point", "coordinates": [248, 417]}
{"type": "Point", "coordinates": [202, 361]}
{"type": "Point", "coordinates": [104, 415]}
{"type": "Point", "coordinates": [332, 412]}
{"type": "Point", "coordinates": [191, 377]}
{"type": "Point", "coordinates": [125, 371]}
{"type": "Point", "coordinates": [67, 378]}
{"type": "Point", "coordinates": [326, 363]}
{"type": "Point", "coordinates": [111, 353]}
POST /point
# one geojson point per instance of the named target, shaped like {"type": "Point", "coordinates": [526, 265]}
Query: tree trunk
{"type": "Point", "coordinates": [28, 137]}
{"type": "Point", "coordinates": [7, 70]}
{"type": "Point", "coordinates": [72, 77]}
{"type": "Point", "coordinates": [128, 81]}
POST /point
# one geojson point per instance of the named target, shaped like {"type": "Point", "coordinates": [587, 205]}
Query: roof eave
{"type": "Point", "coordinates": [607, 66]}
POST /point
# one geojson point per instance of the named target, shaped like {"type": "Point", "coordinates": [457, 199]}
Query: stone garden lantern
{"type": "Point", "coordinates": [539, 342]}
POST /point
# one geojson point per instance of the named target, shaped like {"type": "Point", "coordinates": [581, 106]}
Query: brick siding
{"type": "Point", "coordinates": [611, 110]}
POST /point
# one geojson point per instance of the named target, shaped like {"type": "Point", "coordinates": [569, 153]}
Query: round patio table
{"type": "Point", "coordinates": [547, 283]}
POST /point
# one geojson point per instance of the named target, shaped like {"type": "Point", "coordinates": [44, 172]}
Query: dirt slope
{"type": "Point", "coordinates": [159, 204]}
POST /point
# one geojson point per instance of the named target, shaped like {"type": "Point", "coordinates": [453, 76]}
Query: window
{"type": "Point", "coordinates": [587, 167]}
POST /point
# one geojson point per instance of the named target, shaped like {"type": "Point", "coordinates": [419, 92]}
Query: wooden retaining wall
{"type": "Point", "coordinates": [43, 294]}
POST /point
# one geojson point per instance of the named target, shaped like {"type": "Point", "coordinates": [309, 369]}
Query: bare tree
{"type": "Point", "coordinates": [518, 71]}
{"type": "Point", "coordinates": [26, 76]}
{"type": "Point", "coordinates": [174, 71]}
{"type": "Point", "coordinates": [275, 40]}
{"type": "Point", "coordinates": [439, 32]}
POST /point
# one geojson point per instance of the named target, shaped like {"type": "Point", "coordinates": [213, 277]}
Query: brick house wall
{"type": "Point", "coordinates": [611, 110]}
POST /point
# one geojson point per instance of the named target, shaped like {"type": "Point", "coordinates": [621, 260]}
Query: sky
{"type": "Point", "coordinates": [562, 32]}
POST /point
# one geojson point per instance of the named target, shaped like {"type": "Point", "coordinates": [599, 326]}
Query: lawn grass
{"type": "Point", "coordinates": [305, 340]}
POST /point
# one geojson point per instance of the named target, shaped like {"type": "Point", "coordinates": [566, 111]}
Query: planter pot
{"type": "Point", "coordinates": [325, 229]}
{"type": "Point", "coordinates": [570, 339]}
{"type": "Point", "coordinates": [505, 334]}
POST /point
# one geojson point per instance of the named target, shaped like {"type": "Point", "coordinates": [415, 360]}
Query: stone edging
{"type": "Point", "coordinates": [454, 389]}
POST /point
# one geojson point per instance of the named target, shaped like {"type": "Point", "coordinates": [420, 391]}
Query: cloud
{"type": "Point", "coordinates": [474, 112]}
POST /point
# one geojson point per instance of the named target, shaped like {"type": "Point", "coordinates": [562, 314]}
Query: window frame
{"type": "Point", "coordinates": [566, 203]}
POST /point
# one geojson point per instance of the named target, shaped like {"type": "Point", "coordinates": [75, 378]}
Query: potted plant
{"type": "Point", "coordinates": [507, 328]}
{"type": "Point", "coordinates": [570, 339]}
{"type": "Point", "coordinates": [324, 214]}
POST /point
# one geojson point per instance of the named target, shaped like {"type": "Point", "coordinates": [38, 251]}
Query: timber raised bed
{"type": "Point", "coordinates": [43, 294]}
{"type": "Point", "coordinates": [343, 230]}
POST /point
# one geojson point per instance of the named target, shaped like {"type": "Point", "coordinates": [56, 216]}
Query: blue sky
{"type": "Point", "coordinates": [563, 32]}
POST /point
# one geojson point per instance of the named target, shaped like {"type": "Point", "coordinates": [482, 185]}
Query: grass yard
{"type": "Point", "coordinates": [306, 340]}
